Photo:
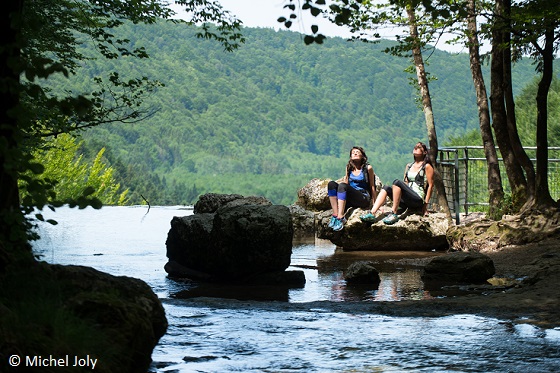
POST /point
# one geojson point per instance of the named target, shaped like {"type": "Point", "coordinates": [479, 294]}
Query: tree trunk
{"type": "Point", "coordinates": [499, 117]}
{"type": "Point", "coordinates": [516, 145]}
{"type": "Point", "coordinates": [543, 197]}
{"type": "Point", "coordinates": [428, 112]}
{"type": "Point", "coordinates": [495, 189]}
{"type": "Point", "coordinates": [13, 234]}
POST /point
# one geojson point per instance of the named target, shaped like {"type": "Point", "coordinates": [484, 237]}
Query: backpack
{"type": "Point", "coordinates": [420, 179]}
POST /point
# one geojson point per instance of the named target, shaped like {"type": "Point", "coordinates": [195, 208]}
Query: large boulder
{"type": "Point", "coordinates": [313, 196]}
{"type": "Point", "coordinates": [459, 267]}
{"type": "Point", "coordinates": [412, 232]}
{"type": "Point", "coordinates": [234, 243]}
{"type": "Point", "coordinates": [124, 310]}
{"type": "Point", "coordinates": [303, 222]}
{"type": "Point", "coordinates": [210, 202]}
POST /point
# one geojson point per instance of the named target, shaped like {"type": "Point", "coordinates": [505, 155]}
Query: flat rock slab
{"type": "Point", "coordinates": [410, 233]}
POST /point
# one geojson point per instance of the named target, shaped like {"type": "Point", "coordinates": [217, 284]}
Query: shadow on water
{"type": "Point", "coordinates": [237, 292]}
{"type": "Point", "coordinates": [324, 267]}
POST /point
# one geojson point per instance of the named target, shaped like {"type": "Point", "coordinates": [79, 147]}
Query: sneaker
{"type": "Point", "coordinates": [391, 219]}
{"type": "Point", "coordinates": [332, 221]}
{"type": "Point", "coordinates": [338, 225]}
{"type": "Point", "coordinates": [368, 218]}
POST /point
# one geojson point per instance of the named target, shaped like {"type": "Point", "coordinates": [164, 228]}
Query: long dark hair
{"type": "Point", "coordinates": [426, 153]}
{"type": "Point", "coordinates": [352, 164]}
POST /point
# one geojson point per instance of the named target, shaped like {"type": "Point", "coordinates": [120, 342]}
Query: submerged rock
{"type": "Point", "coordinates": [362, 272]}
{"type": "Point", "coordinates": [459, 267]}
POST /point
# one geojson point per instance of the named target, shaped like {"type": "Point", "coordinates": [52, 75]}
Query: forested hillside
{"type": "Point", "coordinates": [275, 113]}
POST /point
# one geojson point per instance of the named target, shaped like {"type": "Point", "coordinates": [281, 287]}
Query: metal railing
{"type": "Point", "coordinates": [465, 177]}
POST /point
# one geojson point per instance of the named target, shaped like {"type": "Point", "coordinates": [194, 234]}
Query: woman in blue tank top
{"type": "Point", "coordinates": [357, 188]}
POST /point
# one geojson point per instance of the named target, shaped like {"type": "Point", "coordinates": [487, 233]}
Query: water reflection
{"type": "Point", "coordinates": [399, 272]}
{"type": "Point", "coordinates": [324, 266]}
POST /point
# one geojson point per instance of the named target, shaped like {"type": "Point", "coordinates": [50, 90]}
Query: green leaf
{"type": "Point", "coordinates": [88, 191]}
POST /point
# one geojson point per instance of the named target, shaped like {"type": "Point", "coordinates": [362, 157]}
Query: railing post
{"type": "Point", "coordinates": [456, 187]}
{"type": "Point", "coordinates": [466, 207]}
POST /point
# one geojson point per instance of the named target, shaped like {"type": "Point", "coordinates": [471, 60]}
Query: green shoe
{"type": "Point", "coordinates": [368, 218]}
{"type": "Point", "coordinates": [338, 225]}
{"type": "Point", "coordinates": [391, 219]}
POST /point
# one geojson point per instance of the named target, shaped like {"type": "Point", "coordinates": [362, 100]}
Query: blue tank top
{"type": "Point", "coordinates": [358, 182]}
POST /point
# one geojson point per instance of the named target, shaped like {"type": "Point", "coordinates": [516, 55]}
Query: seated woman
{"type": "Point", "coordinates": [357, 189]}
{"type": "Point", "coordinates": [414, 192]}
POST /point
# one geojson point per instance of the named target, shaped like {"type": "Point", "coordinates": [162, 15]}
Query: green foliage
{"type": "Point", "coordinates": [48, 40]}
{"type": "Point", "coordinates": [275, 108]}
{"type": "Point", "coordinates": [526, 112]}
{"type": "Point", "coordinates": [72, 176]}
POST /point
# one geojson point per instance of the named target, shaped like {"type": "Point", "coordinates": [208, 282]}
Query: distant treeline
{"type": "Point", "coordinates": [265, 119]}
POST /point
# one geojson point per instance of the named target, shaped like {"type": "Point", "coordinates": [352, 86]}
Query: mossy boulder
{"type": "Point", "coordinates": [485, 234]}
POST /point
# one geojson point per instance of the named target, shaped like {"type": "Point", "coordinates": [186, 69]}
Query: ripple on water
{"type": "Point", "coordinates": [248, 337]}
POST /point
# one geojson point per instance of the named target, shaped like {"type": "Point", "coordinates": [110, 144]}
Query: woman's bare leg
{"type": "Point", "coordinates": [341, 208]}
{"type": "Point", "coordinates": [396, 198]}
{"type": "Point", "coordinates": [380, 201]}
{"type": "Point", "coordinates": [334, 205]}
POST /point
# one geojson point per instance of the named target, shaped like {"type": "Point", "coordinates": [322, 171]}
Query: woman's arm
{"type": "Point", "coordinates": [430, 178]}
{"type": "Point", "coordinates": [371, 177]}
{"type": "Point", "coordinates": [345, 178]}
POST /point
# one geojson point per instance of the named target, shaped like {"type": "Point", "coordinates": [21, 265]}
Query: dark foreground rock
{"type": "Point", "coordinates": [125, 308]}
{"type": "Point", "coordinates": [78, 311]}
{"type": "Point", "coordinates": [238, 241]}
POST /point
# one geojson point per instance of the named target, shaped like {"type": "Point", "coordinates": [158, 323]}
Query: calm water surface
{"type": "Point", "coordinates": [233, 334]}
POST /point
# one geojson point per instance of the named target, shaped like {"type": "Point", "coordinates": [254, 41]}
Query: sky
{"type": "Point", "coordinates": [265, 13]}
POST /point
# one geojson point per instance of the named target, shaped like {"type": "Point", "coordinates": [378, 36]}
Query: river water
{"type": "Point", "coordinates": [243, 330]}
